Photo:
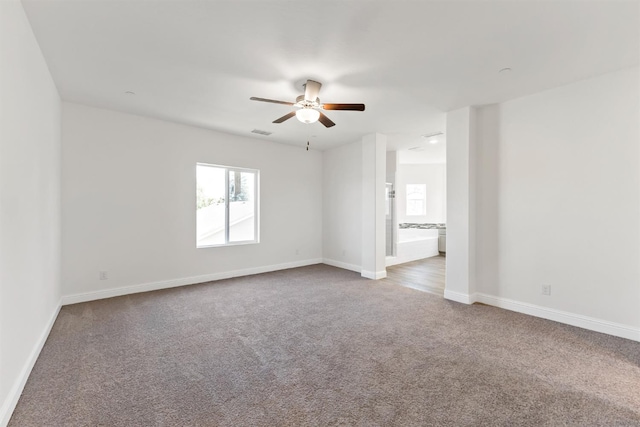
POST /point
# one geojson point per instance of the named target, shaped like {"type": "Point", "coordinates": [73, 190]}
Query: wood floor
{"type": "Point", "coordinates": [425, 274]}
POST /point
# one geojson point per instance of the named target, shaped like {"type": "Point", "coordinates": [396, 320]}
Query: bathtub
{"type": "Point", "coordinates": [414, 244]}
{"type": "Point", "coordinates": [411, 234]}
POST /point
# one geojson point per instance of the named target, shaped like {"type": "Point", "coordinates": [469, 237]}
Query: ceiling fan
{"type": "Point", "coordinates": [309, 106]}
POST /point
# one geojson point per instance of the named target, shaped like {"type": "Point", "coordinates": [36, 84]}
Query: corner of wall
{"type": "Point", "coordinates": [459, 297]}
{"type": "Point", "coordinates": [11, 400]}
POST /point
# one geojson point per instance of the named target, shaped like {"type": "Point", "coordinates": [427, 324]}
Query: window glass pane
{"type": "Point", "coordinates": [416, 199]}
{"type": "Point", "coordinates": [241, 206]}
{"type": "Point", "coordinates": [211, 209]}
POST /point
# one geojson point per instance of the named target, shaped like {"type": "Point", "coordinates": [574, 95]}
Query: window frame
{"type": "Point", "coordinates": [256, 205]}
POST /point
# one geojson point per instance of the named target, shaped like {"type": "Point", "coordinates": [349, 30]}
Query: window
{"type": "Point", "coordinates": [226, 205]}
{"type": "Point", "coordinates": [416, 199]}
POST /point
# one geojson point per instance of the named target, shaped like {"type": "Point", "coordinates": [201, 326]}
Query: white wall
{"type": "Point", "coordinates": [391, 166]}
{"type": "Point", "coordinates": [342, 206]}
{"type": "Point", "coordinates": [559, 199]}
{"type": "Point", "coordinates": [128, 191]}
{"type": "Point", "coordinates": [29, 202]}
{"type": "Point", "coordinates": [434, 176]}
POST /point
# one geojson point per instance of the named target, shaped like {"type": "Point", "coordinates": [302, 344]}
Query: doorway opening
{"type": "Point", "coordinates": [416, 215]}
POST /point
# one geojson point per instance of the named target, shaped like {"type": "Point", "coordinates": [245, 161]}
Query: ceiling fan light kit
{"type": "Point", "coordinates": [309, 106]}
{"type": "Point", "coordinates": [307, 115]}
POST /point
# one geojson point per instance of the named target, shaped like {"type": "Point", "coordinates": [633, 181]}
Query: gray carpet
{"type": "Point", "coordinates": [322, 346]}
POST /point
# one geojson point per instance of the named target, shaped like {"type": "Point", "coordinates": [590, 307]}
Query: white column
{"type": "Point", "coordinates": [461, 194]}
{"type": "Point", "coordinates": [374, 148]}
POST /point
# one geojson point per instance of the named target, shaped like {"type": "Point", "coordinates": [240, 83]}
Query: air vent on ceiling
{"type": "Point", "coordinates": [431, 135]}
{"type": "Point", "coordinates": [261, 132]}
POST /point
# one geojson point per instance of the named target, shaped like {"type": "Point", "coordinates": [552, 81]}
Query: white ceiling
{"type": "Point", "coordinates": [424, 152]}
{"type": "Point", "coordinates": [198, 62]}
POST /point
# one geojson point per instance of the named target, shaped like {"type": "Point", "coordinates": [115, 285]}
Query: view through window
{"type": "Point", "coordinates": [226, 205]}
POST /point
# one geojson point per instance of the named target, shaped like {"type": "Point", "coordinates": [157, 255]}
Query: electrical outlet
{"type": "Point", "coordinates": [103, 275]}
{"type": "Point", "coordinates": [297, 251]}
{"type": "Point", "coordinates": [344, 252]}
{"type": "Point", "coordinates": [546, 290]}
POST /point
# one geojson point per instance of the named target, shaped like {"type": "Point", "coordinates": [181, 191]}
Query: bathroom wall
{"type": "Point", "coordinates": [434, 176]}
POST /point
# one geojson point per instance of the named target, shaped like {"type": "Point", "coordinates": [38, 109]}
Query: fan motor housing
{"type": "Point", "coordinates": [304, 103]}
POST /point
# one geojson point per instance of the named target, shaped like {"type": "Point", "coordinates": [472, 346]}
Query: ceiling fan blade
{"type": "Point", "coordinates": [285, 117]}
{"type": "Point", "coordinates": [326, 121]}
{"type": "Point", "coordinates": [253, 98]}
{"type": "Point", "coordinates": [349, 107]}
{"type": "Point", "coordinates": [311, 90]}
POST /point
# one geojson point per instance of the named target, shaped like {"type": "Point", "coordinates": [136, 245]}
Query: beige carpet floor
{"type": "Point", "coordinates": [320, 346]}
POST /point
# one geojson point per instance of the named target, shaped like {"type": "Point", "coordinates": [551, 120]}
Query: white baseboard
{"type": "Point", "coordinates": [593, 324]}
{"type": "Point", "coordinates": [375, 275]}
{"type": "Point", "coordinates": [459, 297]}
{"type": "Point", "coordinates": [341, 264]}
{"type": "Point", "coordinates": [165, 284]}
{"type": "Point", "coordinates": [12, 398]}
